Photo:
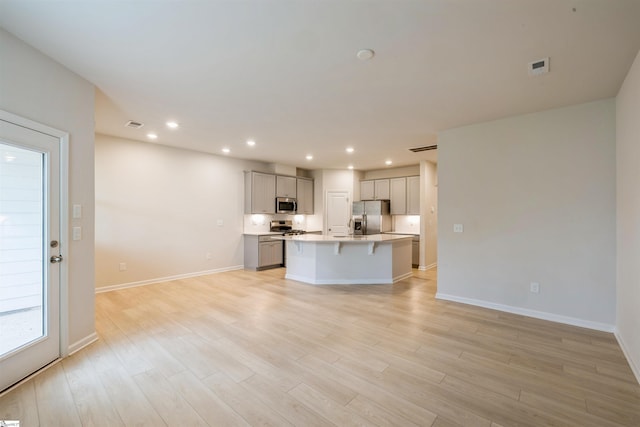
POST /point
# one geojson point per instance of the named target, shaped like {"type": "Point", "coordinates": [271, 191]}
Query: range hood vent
{"type": "Point", "coordinates": [133, 125]}
{"type": "Point", "coordinates": [427, 148]}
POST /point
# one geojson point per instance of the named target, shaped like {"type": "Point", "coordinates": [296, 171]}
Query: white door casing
{"type": "Point", "coordinates": [51, 146]}
{"type": "Point", "coordinates": [338, 212]}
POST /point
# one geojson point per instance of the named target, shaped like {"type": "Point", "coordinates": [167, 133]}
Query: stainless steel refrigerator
{"type": "Point", "coordinates": [371, 216]}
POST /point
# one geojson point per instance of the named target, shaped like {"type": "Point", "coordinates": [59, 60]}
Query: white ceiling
{"type": "Point", "coordinates": [285, 73]}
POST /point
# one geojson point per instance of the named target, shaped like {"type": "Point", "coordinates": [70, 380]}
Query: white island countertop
{"type": "Point", "coordinates": [320, 238]}
{"type": "Point", "coordinates": [346, 259]}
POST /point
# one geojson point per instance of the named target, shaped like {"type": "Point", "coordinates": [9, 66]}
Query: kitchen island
{"type": "Point", "coordinates": [332, 260]}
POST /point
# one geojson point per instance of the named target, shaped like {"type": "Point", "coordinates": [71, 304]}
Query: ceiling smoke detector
{"type": "Point", "coordinates": [365, 54]}
{"type": "Point", "coordinates": [541, 66]}
{"type": "Point", "coordinates": [133, 125]}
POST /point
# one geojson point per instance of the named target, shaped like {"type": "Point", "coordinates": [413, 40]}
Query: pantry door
{"type": "Point", "coordinates": [31, 250]}
{"type": "Point", "coordinates": [338, 213]}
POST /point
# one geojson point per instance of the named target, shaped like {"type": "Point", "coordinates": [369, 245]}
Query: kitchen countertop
{"type": "Point", "coordinates": [272, 233]}
{"type": "Point", "coordinates": [263, 233]}
{"type": "Point", "coordinates": [404, 234]}
{"type": "Point", "coordinates": [320, 238]}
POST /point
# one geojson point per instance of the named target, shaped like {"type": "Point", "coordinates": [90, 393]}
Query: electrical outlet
{"type": "Point", "coordinates": [209, 255]}
{"type": "Point", "coordinates": [534, 287]}
{"type": "Point", "coordinates": [123, 266]}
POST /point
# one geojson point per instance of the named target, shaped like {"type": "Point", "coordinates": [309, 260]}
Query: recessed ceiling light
{"type": "Point", "coordinates": [226, 150]}
{"type": "Point", "coordinates": [349, 150]}
{"type": "Point", "coordinates": [350, 167]}
{"type": "Point", "coordinates": [365, 54]}
{"type": "Point", "coordinates": [172, 125]}
{"type": "Point", "coordinates": [388, 162]}
{"type": "Point", "coordinates": [309, 157]}
{"type": "Point", "coordinates": [251, 142]}
{"type": "Point", "coordinates": [152, 136]}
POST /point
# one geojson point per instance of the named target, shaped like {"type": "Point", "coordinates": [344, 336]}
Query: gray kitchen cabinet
{"type": "Point", "coordinates": [286, 186]}
{"type": "Point", "coordinates": [261, 252]}
{"type": "Point", "coordinates": [374, 189]}
{"type": "Point", "coordinates": [398, 196]}
{"type": "Point", "coordinates": [413, 195]}
{"type": "Point", "coordinates": [382, 189]}
{"type": "Point", "coordinates": [259, 193]}
{"type": "Point", "coordinates": [270, 254]}
{"type": "Point", "coordinates": [367, 190]}
{"type": "Point", "coordinates": [305, 196]}
{"type": "Point", "coordinates": [415, 251]}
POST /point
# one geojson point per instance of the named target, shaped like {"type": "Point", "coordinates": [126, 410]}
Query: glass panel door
{"type": "Point", "coordinates": [30, 251]}
{"type": "Point", "coordinates": [21, 247]}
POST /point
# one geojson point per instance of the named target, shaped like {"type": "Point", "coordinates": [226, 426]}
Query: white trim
{"type": "Point", "coordinates": [30, 377]}
{"type": "Point", "coordinates": [80, 344]}
{"type": "Point", "coordinates": [427, 267]}
{"type": "Point", "coordinates": [311, 281]}
{"type": "Point", "coordinates": [625, 350]}
{"type": "Point", "coordinates": [604, 327]}
{"type": "Point", "coordinates": [65, 245]}
{"type": "Point", "coordinates": [165, 279]}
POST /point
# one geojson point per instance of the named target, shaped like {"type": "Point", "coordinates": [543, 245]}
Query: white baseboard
{"type": "Point", "coordinates": [166, 279]}
{"type": "Point", "coordinates": [604, 327]}
{"type": "Point", "coordinates": [625, 350]}
{"type": "Point", "coordinates": [80, 344]}
{"type": "Point", "coordinates": [427, 267]}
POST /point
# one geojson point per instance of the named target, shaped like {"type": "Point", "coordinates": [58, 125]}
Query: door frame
{"type": "Point", "coordinates": [63, 138]}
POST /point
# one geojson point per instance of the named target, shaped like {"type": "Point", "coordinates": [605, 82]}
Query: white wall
{"type": "Point", "coordinates": [392, 172]}
{"type": "Point", "coordinates": [628, 216]}
{"type": "Point", "coordinates": [429, 215]}
{"type": "Point", "coordinates": [37, 88]}
{"type": "Point", "coordinates": [325, 180]}
{"type": "Point", "coordinates": [536, 196]}
{"type": "Point", "coordinates": [157, 210]}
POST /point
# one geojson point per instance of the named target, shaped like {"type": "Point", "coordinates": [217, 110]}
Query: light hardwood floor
{"type": "Point", "coordinates": [243, 348]}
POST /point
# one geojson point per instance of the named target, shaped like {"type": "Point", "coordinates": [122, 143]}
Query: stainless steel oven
{"type": "Point", "coordinates": [285, 226]}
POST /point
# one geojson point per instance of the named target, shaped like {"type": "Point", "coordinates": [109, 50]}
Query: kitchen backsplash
{"type": "Point", "coordinates": [409, 224]}
{"type": "Point", "coordinates": [260, 223]}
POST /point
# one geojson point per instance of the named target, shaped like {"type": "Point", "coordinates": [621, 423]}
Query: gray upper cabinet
{"type": "Point", "coordinates": [398, 196]}
{"type": "Point", "coordinates": [259, 193]}
{"type": "Point", "coordinates": [367, 190]}
{"type": "Point", "coordinates": [286, 186]}
{"type": "Point", "coordinates": [383, 191]}
{"type": "Point", "coordinates": [375, 189]}
{"type": "Point", "coordinates": [413, 195]}
{"type": "Point", "coordinates": [305, 196]}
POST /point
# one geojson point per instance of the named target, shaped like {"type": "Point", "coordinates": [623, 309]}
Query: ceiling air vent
{"type": "Point", "coordinates": [133, 125]}
{"type": "Point", "coordinates": [427, 148]}
{"type": "Point", "coordinates": [541, 66]}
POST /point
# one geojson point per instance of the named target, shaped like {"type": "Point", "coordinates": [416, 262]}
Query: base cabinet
{"type": "Point", "coordinates": [261, 252]}
{"type": "Point", "coordinates": [415, 252]}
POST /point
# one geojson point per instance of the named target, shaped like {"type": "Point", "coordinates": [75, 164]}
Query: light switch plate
{"type": "Point", "coordinates": [77, 233]}
{"type": "Point", "coordinates": [458, 228]}
{"type": "Point", "coordinates": [77, 211]}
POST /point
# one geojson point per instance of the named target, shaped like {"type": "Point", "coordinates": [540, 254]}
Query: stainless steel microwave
{"type": "Point", "coordinates": [286, 205]}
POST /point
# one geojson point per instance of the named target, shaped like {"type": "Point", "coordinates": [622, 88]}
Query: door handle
{"type": "Point", "coordinates": [55, 259]}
